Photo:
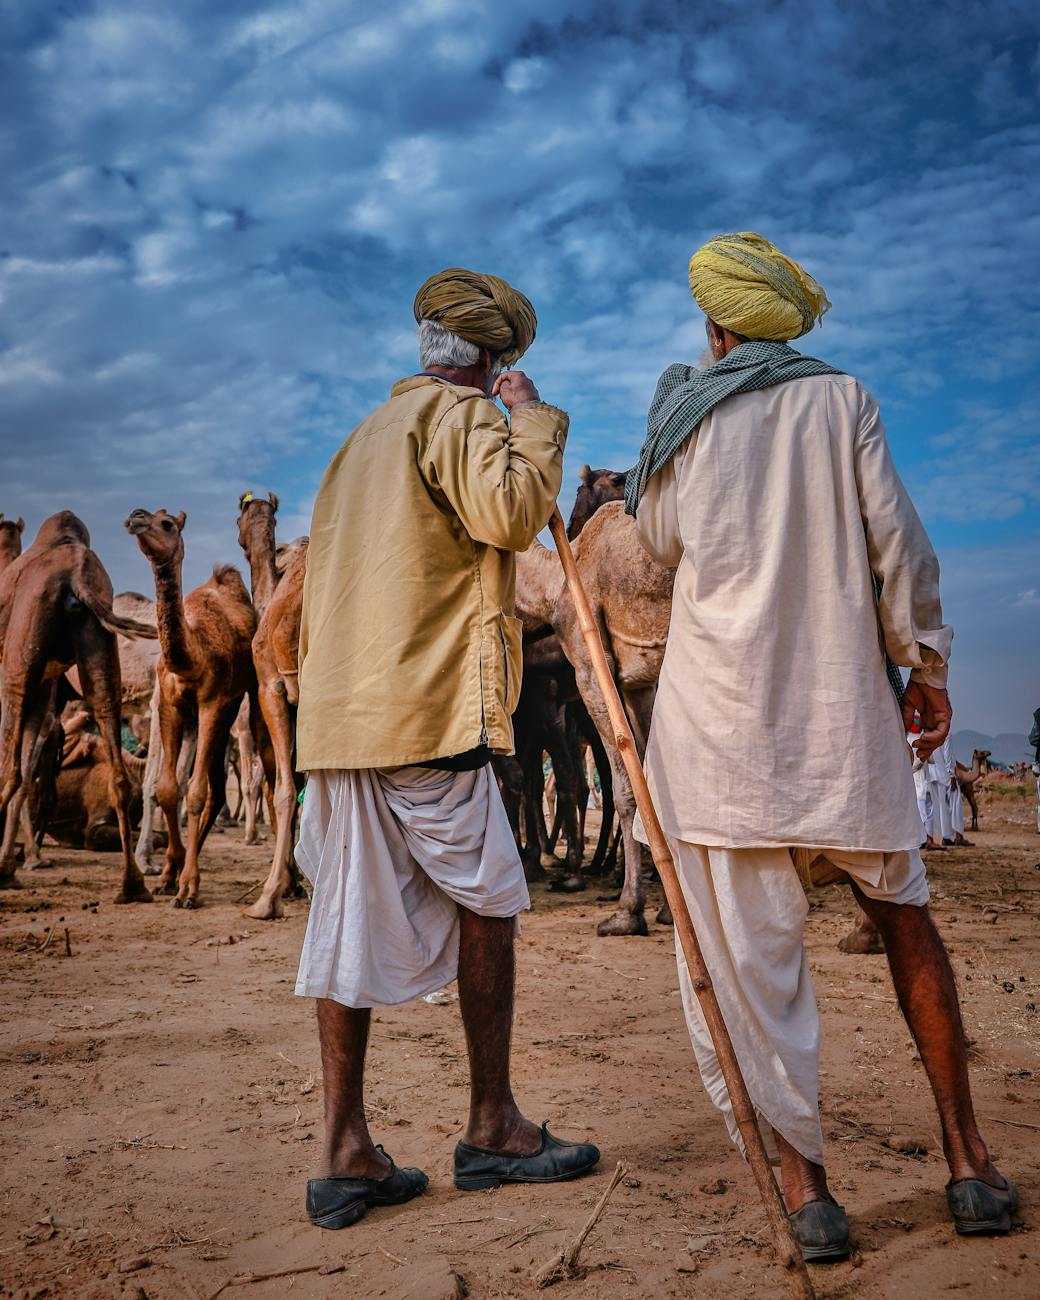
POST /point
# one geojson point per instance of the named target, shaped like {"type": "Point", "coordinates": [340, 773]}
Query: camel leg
{"type": "Point", "coordinates": [629, 918]}
{"type": "Point", "coordinates": [278, 716]}
{"type": "Point", "coordinates": [168, 793]}
{"type": "Point", "coordinates": [97, 659]}
{"type": "Point", "coordinates": [34, 859]}
{"type": "Point", "coordinates": [152, 768]}
{"type": "Point", "coordinates": [567, 795]}
{"type": "Point", "coordinates": [969, 794]}
{"type": "Point", "coordinates": [215, 723]}
{"type": "Point", "coordinates": [249, 783]}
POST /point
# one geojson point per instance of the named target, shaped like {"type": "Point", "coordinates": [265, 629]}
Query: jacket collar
{"type": "Point", "coordinates": [411, 382]}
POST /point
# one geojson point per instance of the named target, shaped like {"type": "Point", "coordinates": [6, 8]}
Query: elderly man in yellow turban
{"type": "Point", "coordinates": [778, 751]}
{"type": "Point", "coordinates": [410, 669]}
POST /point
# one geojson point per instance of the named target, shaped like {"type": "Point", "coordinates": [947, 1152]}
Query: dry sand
{"type": "Point", "coordinates": [160, 1101]}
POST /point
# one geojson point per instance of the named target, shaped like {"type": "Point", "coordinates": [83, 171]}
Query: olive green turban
{"type": "Point", "coordinates": [482, 309]}
{"type": "Point", "coordinates": [745, 284]}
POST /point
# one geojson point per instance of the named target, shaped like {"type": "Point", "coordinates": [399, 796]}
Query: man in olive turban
{"type": "Point", "coordinates": [410, 665]}
{"type": "Point", "coordinates": [778, 754]}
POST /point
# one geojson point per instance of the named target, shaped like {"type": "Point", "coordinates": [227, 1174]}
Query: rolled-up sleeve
{"type": "Point", "coordinates": [657, 518]}
{"type": "Point", "coordinates": [901, 557]}
{"type": "Point", "coordinates": [501, 477]}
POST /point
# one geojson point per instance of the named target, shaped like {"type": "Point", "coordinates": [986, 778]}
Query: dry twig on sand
{"type": "Point", "coordinates": [564, 1263]}
{"type": "Point", "coordinates": [247, 1279]}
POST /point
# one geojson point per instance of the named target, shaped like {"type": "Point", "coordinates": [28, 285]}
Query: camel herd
{"type": "Point", "coordinates": [209, 680]}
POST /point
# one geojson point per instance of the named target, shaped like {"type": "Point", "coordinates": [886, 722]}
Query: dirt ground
{"type": "Point", "coordinates": [160, 1105]}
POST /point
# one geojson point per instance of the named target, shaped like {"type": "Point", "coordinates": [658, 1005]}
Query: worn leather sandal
{"type": "Point", "coordinates": [477, 1169]}
{"type": "Point", "coordinates": [976, 1207]}
{"type": "Point", "coordinates": [340, 1202]}
{"type": "Point", "coordinates": [821, 1229]}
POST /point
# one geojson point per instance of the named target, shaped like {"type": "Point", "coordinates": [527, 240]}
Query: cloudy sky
{"type": "Point", "coordinates": [214, 218]}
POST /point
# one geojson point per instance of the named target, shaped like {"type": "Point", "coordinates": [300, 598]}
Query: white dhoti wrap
{"type": "Point", "coordinates": [391, 855]}
{"type": "Point", "coordinates": [748, 908]}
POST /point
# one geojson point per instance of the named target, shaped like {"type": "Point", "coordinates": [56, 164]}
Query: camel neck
{"type": "Point", "coordinates": [174, 636]}
{"type": "Point", "coordinates": [539, 579]}
{"type": "Point", "coordinates": [263, 572]}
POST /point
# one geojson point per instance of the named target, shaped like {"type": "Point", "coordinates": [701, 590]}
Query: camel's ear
{"type": "Point", "coordinates": [244, 500]}
{"type": "Point", "coordinates": [20, 525]}
{"type": "Point", "coordinates": [273, 500]}
{"type": "Point", "coordinates": [585, 475]}
{"type": "Point", "coordinates": [179, 521]}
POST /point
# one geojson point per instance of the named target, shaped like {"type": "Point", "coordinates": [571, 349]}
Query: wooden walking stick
{"type": "Point", "coordinates": [743, 1111]}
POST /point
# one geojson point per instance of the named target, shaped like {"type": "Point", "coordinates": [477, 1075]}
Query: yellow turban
{"type": "Point", "coordinates": [482, 309]}
{"type": "Point", "coordinates": [745, 284]}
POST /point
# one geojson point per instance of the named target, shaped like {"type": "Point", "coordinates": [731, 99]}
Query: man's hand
{"type": "Point", "coordinates": [513, 386]}
{"type": "Point", "coordinates": [933, 704]}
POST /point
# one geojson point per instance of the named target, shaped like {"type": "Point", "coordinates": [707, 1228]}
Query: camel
{"type": "Point", "coordinates": [595, 488]}
{"type": "Point", "coordinates": [83, 816]}
{"type": "Point", "coordinates": [56, 611]}
{"type": "Point", "coordinates": [966, 779]}
{"type": "Point", "coordinates": [10, 548]}
{"type": "Point", "coordinates": [10, 540]}
{"type": "Point", "coordinates": [631, 596]}
{"type": "Point", "coordinates": [276, 656]}
{"type": "Point", "coordinates": [256, 537]}
{"type": "Point", "coordinates": [139, 703]}
{"type": "Point", "coordinates": [204, 671]}
{"type": "Point", "coordinates": [248, 770]}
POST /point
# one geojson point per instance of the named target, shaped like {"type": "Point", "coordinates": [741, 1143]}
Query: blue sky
{"type": "Point", "coordinates": [214, 218]}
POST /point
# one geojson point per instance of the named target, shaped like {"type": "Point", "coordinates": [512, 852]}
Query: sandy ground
{"type": "Point", "coordinates": [160, 1104]}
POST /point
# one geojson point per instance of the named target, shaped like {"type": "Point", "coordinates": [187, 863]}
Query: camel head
{"type": "Point", "coordinates": [11, 538]}
{"type": "Point", "coordinates": [256, 520]}
{"type": "Point", "coordinates": [982, 757]}
{"type": "Point", "coordinates": [158, 535]}
{"type": "Point", "coordinates": [595, 488]}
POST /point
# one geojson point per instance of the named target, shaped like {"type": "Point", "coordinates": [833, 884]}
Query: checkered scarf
{"type": "Point", "coordinates": [685, 395]}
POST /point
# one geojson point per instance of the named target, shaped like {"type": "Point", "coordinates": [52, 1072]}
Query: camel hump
{"type": "Point", "coordinates": [61, 528]}
{"type": "Point", "coordinates": [228, 577]}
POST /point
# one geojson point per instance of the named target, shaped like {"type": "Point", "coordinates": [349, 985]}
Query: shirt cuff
{"type": "Point", "coordinates": [935, 677]}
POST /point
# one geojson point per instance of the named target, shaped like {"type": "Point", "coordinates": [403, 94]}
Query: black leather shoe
{"type": "Point", "coordinates": [477, 1169]}
{"type": "Point", "coordinates": [339, 1202]}
{"type": "Point", "coordinates": [978, 1207]}
{"type": "Point", "coordinates": [821, 1229]}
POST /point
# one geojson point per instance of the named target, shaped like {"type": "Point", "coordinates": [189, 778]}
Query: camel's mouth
{"type": "Point", "coordinates": [137, 521]}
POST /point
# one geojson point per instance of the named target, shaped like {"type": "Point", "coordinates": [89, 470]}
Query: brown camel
{"type": "Point", "coordinates": [205, 670]}
{"type": "Point", "coordinates": [631, 595]}
{"type": "Point", "coordinates": [276, 655]}
{"type": "Point", "coordinates": [84, 815]}
{"type": "Point", "coordinates": [256, 537]}
{"type": "Point", "coordinates": [10, 540]}
{"type": "Point", "coordinates": [967, 777]}
{"type": "Point", "coordinates": [56, 611]}
{"type": "Point", "coordinates": [595, 488]}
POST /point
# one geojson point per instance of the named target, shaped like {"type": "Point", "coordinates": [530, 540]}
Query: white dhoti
{"type": "Point", "coordinates": [748, 908]}
{"type": "Point", "coordinates": [391, 855]}
{"type": "Point", "coordinates": [956, 801]}
{"type": "Point", "coordinates": [924, 799]}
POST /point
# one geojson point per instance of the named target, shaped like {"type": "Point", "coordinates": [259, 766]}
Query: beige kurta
{"type": "Point", "coordinates": [774, 722]}
{"type": "Point", "coordinates": [408, 645]}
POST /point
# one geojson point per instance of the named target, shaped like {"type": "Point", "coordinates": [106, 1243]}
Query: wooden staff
{"type": "Point", "coordinates": [743, 1111]}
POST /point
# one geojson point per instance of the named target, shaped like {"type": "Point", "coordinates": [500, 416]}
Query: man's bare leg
{"type": "Point", "coordinates": [486, 979]}
{"type": "Point", "coordinates": [927, 994]}
{"type": "Point", "coordinates": [801, 1180]}
{"type": "Point", "coordinates": [348, 1151]}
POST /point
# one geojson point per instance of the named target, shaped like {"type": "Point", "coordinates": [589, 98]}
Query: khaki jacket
{"type": "Point", "coordinates": [408, 648]}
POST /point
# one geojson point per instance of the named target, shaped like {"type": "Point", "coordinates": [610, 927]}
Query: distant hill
{"type": "Point", "coordinates": [1008, 747]}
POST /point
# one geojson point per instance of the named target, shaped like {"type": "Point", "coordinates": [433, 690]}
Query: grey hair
{"type": "Point", "coordinates": [440, 347]}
